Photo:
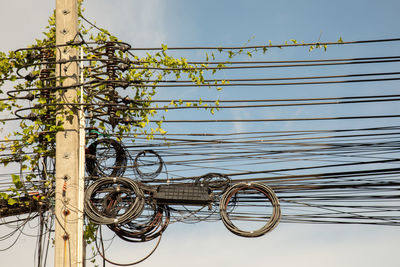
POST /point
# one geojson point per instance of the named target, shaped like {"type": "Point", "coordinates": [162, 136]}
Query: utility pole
{"type": "Point", "coordinates": [69, 143]}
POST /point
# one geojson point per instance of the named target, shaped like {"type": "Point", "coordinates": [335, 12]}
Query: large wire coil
{"type": "Point", "coordinates": [231, 194]}
{"type": "Point", "coordinates": [106, 157]}
{"type": "Point", "coordinates": [144, 228]}
{"type": "Point", "coordinates": [155, 164]}
{"type": "Point", "coordinates": [113, 200]}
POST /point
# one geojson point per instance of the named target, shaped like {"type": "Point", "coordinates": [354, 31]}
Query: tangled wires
{"type": "Point", "coordinates": [148, 159]}
{"type": "Point", "coordinates": [146, 227]}
{"type": "Point", "coordinates": [106, 157]}
{"type": "Point", "coordinates": [215, 181]}
{"type": "Point", "coordinates": [241, 196]}
{"type": "Point", "coordinates": [113, 200]}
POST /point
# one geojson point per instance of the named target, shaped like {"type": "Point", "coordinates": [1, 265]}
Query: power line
{"type": "Point", "coordinates": [269, 46]}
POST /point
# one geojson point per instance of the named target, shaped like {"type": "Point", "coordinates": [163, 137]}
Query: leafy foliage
{"type": "Point", "coordinates": [118, 88]}
{"type": "Point", "coordinates": [37, 100]}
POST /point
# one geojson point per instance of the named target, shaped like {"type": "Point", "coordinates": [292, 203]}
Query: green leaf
{"type": "Point", "coordinates": [16, 181]}
{"type": "Point", "coordinates": [265, 49]}
{"type": "Point", "coordinates": [12, 201]}
{"type": "Point", "coordinates": [4, 196]}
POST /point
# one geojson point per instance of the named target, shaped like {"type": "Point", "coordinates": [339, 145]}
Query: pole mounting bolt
{"type": "Point", "coordinates": [66, 212]}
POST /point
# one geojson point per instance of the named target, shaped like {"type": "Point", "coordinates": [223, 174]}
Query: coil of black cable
{"type": "Point", "coordinates": [101, 153]}
{"type": "Point", "coordinates": [113, 200]}
{"type": "Point", "coordinates": [140, 230]}
{"type": "Point", "coordinates": [263, 189]}
{"type": "Point", "coordinates": [149, 175]}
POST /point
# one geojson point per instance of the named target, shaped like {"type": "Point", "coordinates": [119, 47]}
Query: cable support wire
{"type": "Point", "coordinates": [278, 78]}
{"type": "Point", "coordinates": [269, 46]}
{"type": "Point", "coordinates": [337, 102]}
{"type": "Point", "coordinates": [280, 61]}
{"type": "Point", "coordinates": [280, 119]}
{"type": "Point", "coordinates": [270, 66]}
{"type": "Point", "coordinates": [156, 84]}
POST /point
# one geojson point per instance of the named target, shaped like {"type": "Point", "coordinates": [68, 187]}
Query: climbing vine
{"type": "Point", "coordinates": [36, 107]}
{"type": "Point", "coordinates": [117, 86]}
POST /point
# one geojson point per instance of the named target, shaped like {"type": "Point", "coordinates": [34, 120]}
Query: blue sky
{"type": "Point", "coordinates": [188, 23]}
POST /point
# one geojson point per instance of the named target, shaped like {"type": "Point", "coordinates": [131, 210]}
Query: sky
{"type": "Point", "coordinates": [189, 23]}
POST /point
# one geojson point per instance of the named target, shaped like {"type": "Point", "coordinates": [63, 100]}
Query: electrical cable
{"type": "Point", "coordinates": [269, 46]}
{"type": "Point", "coordinates": [132, 263]}
{"type": "Point", "coordinates": [113, 200]}
{"type": "Point", "coordinates": [99, 155]}
{"type": "Point", "coordinates": [232, 192]}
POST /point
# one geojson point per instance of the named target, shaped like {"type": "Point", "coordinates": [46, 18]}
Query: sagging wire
{"type": "Point", "coordinates": [102, 255]}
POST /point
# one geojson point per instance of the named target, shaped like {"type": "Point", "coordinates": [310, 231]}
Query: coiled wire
{"type": "Point", "coordinates": [263, 189]}
{"type": "Point", "coordinates": [105, 152]}
{"type": "Point", "coordinates": [141, 231]}
{"type": "Point", "coordinates": [113, 200]}
{"type": "Point", "coordinates": [149, 175]}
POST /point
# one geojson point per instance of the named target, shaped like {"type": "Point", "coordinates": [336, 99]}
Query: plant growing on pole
{"type": "Point", "coordinates": [117, 85]}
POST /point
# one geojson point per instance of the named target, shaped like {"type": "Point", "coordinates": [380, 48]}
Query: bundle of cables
{"type": "Point", "coordinates": [144, 228]}
{"type": "Point", "coordinates": [147, 159]}
{"type": "Point", "coordinates": [113, 200]}
{"type": "Point", "coordinates": [106, 157]}
{"type": "Point", "coordinates": [242, 194]}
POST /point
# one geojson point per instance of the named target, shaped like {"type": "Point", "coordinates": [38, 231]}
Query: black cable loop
{"type": "Point", "coordinates": [113, 187]}
{"type": "Point", "coordinates": [94, 162]}
{"type": "Point", "coordinates": [141, 225]}
{"type": "Point", "coordinates": [147, 176]}
{"type": "Point", "coordinates": [263, 189]}
{"type": "Point", "coordinates": [148, 231]}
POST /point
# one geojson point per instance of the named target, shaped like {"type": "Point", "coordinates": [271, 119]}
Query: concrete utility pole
{"type": "Point", "coordinates": [69, 152]}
